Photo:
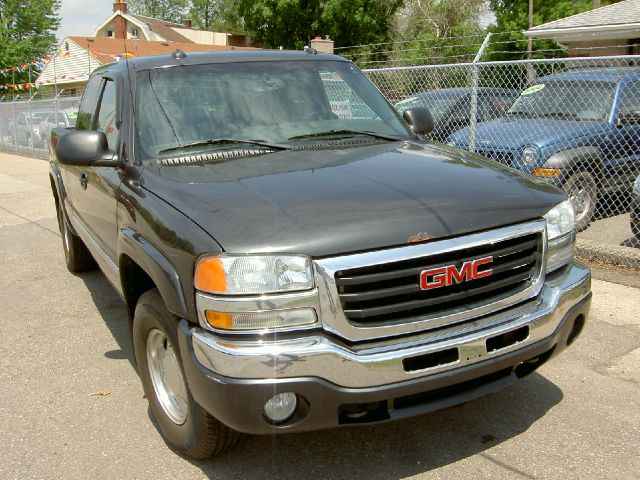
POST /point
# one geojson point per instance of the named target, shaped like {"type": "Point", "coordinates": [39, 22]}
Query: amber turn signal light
{"type": "Point", "coordinates": [222, 320]}
{"type": "Point", "coordinates": [210, 275]}
{"type": "Point", "coordinates": [546, 172]}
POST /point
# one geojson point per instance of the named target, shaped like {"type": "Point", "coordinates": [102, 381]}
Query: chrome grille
{"type": "Point", "coordinates": [390, 293]}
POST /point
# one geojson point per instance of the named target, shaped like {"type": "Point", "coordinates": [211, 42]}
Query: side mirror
{"type": "Point", "coordinates": [85, 148]}
{"type": "Point", "coordinates": [419, 119]}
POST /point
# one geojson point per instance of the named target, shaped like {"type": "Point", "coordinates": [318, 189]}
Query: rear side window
{"type": "Point", "coordinates": [630, 103]}
{"type": "Point", "coordinates": [493, 105]}
{"type": "Point", "coordinates": [106, 121]}
{"type": "Point", "coordinates": [88, 105]}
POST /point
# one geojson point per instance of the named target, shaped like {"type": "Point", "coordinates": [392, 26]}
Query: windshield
{"type": "Point", "coordinates": [276, 103]}
{"type": "Point", "coordinates": [39, 116]}
{"type": "Point", "coordinates": [578, 100]}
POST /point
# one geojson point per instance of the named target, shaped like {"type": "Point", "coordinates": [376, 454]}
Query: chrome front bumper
{"type": "Point", "coordinates": [314, 354]}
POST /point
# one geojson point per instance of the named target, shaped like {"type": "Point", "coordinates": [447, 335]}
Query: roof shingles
{"type": "Point", "coordinates": [107, 50]}
{"type": "Point", "coordinates": [164, 29]}
{"type": "Point", "coordinates": [625, 12]}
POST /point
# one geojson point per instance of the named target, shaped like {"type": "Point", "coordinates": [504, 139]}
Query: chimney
{"type": "Point", "coordinates": [120, 5]}
{"type": "Point", "coordinates": [187, 22]}
{"type": "Point", "coordinates": [324, 45]}
{"type": "Point", "coordinates": [119, 23]}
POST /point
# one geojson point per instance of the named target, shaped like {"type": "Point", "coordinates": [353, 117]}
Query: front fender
{"type": "Point", "coordinates": [585, 157]}
{"type": "Point", "coordinates": [150, 259]}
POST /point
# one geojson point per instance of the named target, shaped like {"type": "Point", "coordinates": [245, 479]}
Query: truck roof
{"type": "Point", "coordinates": [227, 56]}
{"type": "Point", "coordinates": [613, 74]}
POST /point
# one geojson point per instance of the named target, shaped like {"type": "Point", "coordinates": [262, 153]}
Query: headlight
{"type": "Point", "coordinates": [250, 277]}
{"type": "Point", "coordinates": [530, 156]}
{"type": "Point", "coordinates": [253, 274]}
{"type": "Point", "coordinates": [561, 235]}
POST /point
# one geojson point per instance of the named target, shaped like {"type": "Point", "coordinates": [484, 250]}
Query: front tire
{"type": "Point", "coordinates": [184, 424]}
{"type": "Point", "coordinates": [76, 255]}
{"type": "Point", "coordinates": [582, 189]}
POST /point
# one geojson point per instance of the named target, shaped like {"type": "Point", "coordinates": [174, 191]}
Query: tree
{"type": "Point", "coordinates": [27, 32]}
{"type": "Point", "coordinates": [292, 23]}
{"type": "Point", "coordinates": [438, 31]}
{"type": "Point", "coordinates": [204, 13]}
{"type": "Point", "coordinates": [219, 15]}
{"type": "Point", "coordinates": [442, 18]}
{"type": "Point", "coordinates": [168, 10]}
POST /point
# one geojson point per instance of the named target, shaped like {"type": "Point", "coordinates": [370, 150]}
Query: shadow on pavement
{"type": "Point", "coordinates": [113, 311]}
{"type": "Point", "coordinates": [612, 204]}
{"type": "Point", "coordinates": [632, 242]}
{"type": "Point", "coordinates": [393, 450]}
{"type": "Point", "coordinates": [385, 451]}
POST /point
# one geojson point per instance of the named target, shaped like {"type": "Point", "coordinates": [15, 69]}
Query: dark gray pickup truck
{"type": "Point", "coordinates": [292, 257]}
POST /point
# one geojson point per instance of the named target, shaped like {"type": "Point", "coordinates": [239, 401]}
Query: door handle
{"type": "Point", "coordinates": [84, 180]}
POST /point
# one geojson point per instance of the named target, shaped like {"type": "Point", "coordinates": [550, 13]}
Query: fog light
{"type": "Point", "coordinates": [281, 407]}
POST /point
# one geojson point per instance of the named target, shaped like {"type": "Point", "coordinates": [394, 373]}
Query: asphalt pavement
{"type": "Point", "coordinates": [72, 407]}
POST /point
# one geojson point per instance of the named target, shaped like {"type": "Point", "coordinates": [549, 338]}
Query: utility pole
{"type": "Point", "coordinates": [530, 44]}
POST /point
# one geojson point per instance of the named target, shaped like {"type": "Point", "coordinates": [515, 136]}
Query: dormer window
{"type": "Point", "coordinates": [134, 33]}
{"type": "Point", "coordinates": [109, 33]}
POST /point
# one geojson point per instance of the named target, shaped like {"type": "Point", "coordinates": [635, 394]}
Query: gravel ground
{"type": "Point", "coordinates": [71, 405]}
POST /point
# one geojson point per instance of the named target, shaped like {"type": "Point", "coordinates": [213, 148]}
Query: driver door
{"type": "Point", "coordinates": [93, 189]}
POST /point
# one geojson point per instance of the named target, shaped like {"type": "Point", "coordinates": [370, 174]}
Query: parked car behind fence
{"type": "Point", "coordinates": [450, 107]}
{"type": "Point", "coordinates": [579, 129]}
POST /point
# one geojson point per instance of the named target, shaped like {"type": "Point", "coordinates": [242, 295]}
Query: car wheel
{"type": "Point", "coordinates": [635, 224]}
{"type": "Point", "coordinates": [582, 189]}
{"type": "Point", "coordinates": [76, 255]}
{"type": "Point", "coordinates": [184, 424]}
{"type": "Point", "coordinates": [29, 141]}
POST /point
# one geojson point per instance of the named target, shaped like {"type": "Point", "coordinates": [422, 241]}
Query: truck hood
{"type": "Point", "coordinates": [330, 201]}
{"type": "Point", "coordinates": [514, 133]}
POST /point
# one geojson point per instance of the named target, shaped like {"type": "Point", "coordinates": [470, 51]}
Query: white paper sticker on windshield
{"type": "Point", "coordinates": [533, 89]}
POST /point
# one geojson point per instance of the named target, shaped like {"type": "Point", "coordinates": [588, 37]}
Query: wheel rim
{"type": "Point", "coordinates": [166, 376]}
{"type": "Point", "coordinates": [580, 196]}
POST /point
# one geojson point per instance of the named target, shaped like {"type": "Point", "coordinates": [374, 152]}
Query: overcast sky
{"type": "Point", "coordinates": [81, 17]}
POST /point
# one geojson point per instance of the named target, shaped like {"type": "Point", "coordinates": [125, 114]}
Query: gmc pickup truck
{"type": "Point", "coordinates": [292, 258]}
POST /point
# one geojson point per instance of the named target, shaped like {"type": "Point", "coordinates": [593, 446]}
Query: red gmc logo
{"type": "Point", "coordinates": [444, 276]}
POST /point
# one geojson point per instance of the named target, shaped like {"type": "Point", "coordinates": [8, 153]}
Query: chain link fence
{"type": "Point", "coordinates": [26, 122]}
{"type": "Point", "coordinates": [573, 122]}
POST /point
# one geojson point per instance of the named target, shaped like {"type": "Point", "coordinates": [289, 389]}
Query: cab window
{"type": "Point", "coordinates": [88, 104]}
{"type": "Point", "coordinates": [106, 116]}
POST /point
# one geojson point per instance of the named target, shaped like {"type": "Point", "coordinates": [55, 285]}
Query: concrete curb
{"type": "Point", "coordinates": [611, 254]}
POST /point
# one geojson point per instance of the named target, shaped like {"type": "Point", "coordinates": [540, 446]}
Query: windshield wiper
{"type": "Point", "coordinates": [330, 133]}
{"type": "Point", "coordinates": [559, 115]}
{"type": "Point", "coordinates": [222, 141]}
{"type": "Point", "coordinates": [520, 113]}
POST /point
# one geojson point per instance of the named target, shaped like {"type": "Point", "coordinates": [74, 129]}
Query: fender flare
{"type": "Point", "coordinates": [56, 177]}
{"type": "Point", "coordinates": [152, 261]}
{"type": "Point", "coordinates": [587, 155]}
